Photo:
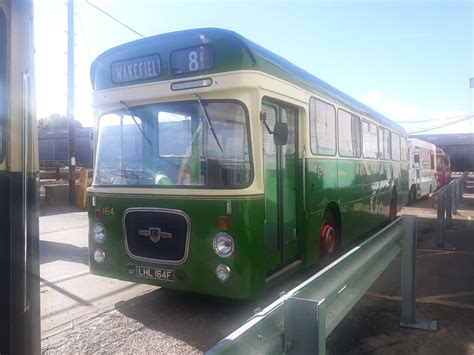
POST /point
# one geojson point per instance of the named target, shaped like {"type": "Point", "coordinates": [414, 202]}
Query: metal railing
{"type": "Point", "coordinates": [448, 199]}
{"type": "Point", "coordinates": [300, 321]}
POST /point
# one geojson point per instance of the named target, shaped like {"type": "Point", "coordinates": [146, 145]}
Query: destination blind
{"type": "Point", "coordinates": [136, 69]}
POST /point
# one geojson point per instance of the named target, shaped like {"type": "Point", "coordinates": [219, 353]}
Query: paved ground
{"type": "Point", "coordinates": [445, 293]}
{"type": "Point", "coordinates": [68, 292]}
{"type": "Point", "coordinates": [89, 314]}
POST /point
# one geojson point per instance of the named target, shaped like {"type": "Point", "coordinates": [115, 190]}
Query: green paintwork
{"type": "Point", "coordinates": [245, 226]}
{"type": "Point", "coordinates": [270, 230]}
{"type": "Point", "coordinates": [280, 189]}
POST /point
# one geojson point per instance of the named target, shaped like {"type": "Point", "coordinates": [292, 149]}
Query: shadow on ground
{"type": "Point", "coordinates": [52, 251]}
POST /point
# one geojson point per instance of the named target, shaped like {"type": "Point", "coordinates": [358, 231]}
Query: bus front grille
{"type": "Point", "coordinates": [156, 235]}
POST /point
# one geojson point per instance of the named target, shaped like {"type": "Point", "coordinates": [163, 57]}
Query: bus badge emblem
{"type": "Point", "coordinates": [155, 234]}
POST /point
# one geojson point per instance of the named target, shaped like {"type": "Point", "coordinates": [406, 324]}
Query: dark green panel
{"type": "Point", "coordinates": [245, 226]}
{"type": "Point", "coordinates": [349, 179]}
{"type": "Point", "coordinates": [272, 246]}
{"type": "Point", "coordinates": [288, 178]}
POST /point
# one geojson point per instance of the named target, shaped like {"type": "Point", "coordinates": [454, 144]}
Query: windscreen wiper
{"type": "Point", "coordinates": [209, 123]}
{"type": "Point", "coordinates": [134, 120]}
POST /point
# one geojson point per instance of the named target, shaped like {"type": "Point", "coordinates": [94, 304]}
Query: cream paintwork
{"type": "Point", "coordinates": [247, 86]}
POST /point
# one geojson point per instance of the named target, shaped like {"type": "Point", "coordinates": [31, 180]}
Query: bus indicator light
{"type": "Point", "coordinates": [223, 223]}
{"type": "Point", "coordinates": [98, 214]}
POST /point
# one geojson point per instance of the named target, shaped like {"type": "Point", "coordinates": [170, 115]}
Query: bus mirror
{"type": "Point", "coordinates": [280, 133]}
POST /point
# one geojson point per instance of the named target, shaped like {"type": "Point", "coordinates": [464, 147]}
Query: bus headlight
{"type": "Point", "coordinates": [99, 233]}
{"type": "Point", "coordinates": [223, 245]}
{"type": "Point", "coordinates": [99, 256]}
{"type": "Point", "coordinates": [222, 272]}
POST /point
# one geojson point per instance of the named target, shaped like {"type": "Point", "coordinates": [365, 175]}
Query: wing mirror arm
{"type": "Point", "coordinates": [263, 118]}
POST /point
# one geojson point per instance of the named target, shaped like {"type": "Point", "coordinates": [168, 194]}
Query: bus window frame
{"type": "Point", "coordinates": [382, 128]}
{"type": "Point", "coordinates": [191, 187]}
{"type": "Point", "coordinates": [352, 115]}
{"type": "Point", "coordinates": [336, 143]}
{"type": "Point", "coordinates": [362, 139]}
{"type": "Point", "coordinates": [399, 146]}
{"type": "Point", "coordinates": [405, 140]}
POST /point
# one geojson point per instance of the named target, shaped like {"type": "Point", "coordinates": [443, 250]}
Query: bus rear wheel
{"type": "Point", "coordinates": [328, 235]}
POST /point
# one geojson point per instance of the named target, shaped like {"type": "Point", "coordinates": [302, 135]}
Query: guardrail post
{"type": "Point", "coordinates": [304, 327]}
{"type": "Point", "coordinates": [449, 205]}
{"type": "Point", "coordinates": [440, 222]}
{"type": "Point", "coordinates": [410, 317]}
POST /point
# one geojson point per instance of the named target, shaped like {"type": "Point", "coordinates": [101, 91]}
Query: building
{"type": "Point", "coordinates": [459, 147]}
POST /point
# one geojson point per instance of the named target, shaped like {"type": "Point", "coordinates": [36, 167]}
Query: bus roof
{"type": "Point", "coordinates": [232, 52]}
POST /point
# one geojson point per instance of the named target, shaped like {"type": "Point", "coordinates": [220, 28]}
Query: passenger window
{"type": "Point", "coordinates": [370, 140]}
{"type": "Point", "coordinates": [322, 119]}
{"type": "Point", "coordinates": [395, 146]}
{"type": "Point", "coordinates": [3, 84]}
{"type": "Point", "coordinates": [349, 134]}
{"type": "Point", "coordinates": [404, 149]}
{"type": "Point", "coordinates": [384, 144]}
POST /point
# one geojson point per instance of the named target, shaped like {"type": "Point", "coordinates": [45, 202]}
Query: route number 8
{"type": "Point", "coordinates": [193, 63]}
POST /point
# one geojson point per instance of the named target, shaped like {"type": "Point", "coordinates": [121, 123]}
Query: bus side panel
{"type": "Point", "coordinates": [245, 226]}
{"type": "Point", "coordinates": [370, 187]}
{"type": "Point", "coordinates": [403, 185]}
{"type": "Point", "coordinates": [349, 190]}
{"type": "Point", "coordinates": [320, 189]}
{"type": "Point", "coordinates": [385, 188]}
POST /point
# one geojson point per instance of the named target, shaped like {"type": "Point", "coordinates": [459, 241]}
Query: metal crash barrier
{"type": "Point", "coordinates": [448, 199]}
{"type": "Point", "coordinates": [300, 321]}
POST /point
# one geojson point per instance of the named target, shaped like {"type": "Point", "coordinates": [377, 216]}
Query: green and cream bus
{"type": "Point", "coordinates": [220, 167]}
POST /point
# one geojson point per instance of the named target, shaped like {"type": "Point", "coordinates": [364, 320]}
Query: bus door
{"type": "Point", "coordinates": [279, 168]}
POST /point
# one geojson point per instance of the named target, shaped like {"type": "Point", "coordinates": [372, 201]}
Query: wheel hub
{"type": "Point", "coordinates": [328, 238]}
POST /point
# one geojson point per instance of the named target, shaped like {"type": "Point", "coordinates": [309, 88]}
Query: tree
{"type": "Point", "coordinates": [55, 121]}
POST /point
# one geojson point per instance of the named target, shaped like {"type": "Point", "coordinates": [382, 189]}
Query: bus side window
{"type": "Point", "coordinates": [385, 144]}
{"type": "Point", "coordinates": [369, 140]}
{"type": "Point", "coordinates": [349, 134]}
{"type": "Point", "coordinates": [404, 149]}
{"type": "Point", "coordinates": [322, 120]}
{"type": "Point", "coordinates": [395, 146]}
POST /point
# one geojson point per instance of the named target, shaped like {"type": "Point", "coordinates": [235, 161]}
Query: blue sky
{"type": "Point", "coordinates": [410, 60]}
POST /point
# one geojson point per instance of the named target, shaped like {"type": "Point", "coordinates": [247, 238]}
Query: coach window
{"type": "Point", "coordinates": [384, 143]}
{"type": "Point", "coordinates": [349, 134]}
{"type": "Point", "coordinates": [3, 85]}
{"type": "Point", "coordinates": [395, 146]}
{"type": "Point", "coordinates": [322, 118]}
{"type": "Point", "coordinates": [404, 149]}
{"type": "Point", "coordinates": [369, 140]}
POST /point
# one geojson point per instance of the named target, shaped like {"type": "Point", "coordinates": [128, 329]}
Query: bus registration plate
{"type": "Point", "coordinates": [156, 274]}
